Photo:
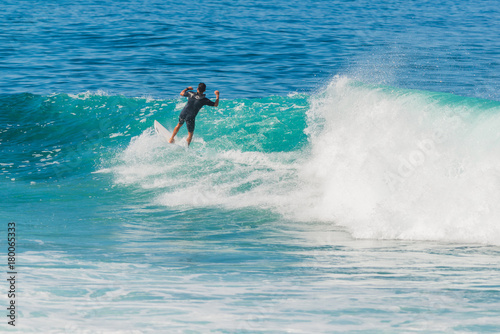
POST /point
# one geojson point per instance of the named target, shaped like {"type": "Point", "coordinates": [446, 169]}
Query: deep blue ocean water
{"type": "Point", "coordinates": [349, 181]}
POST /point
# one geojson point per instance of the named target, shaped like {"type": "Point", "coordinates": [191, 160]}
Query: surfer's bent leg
{"type": "Point", "coordinates": [189, 138]}
{"type": "Point", "coordinates": [176, 129]}
{"type": "Point", "coordinates": [190, 127]}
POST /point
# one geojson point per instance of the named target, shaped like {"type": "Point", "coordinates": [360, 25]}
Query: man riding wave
{"type": "Point", "coordinates": [188, 114]}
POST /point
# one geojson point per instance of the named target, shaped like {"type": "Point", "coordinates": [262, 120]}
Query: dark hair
{"type": "Point", "coordinates": [202, 87]}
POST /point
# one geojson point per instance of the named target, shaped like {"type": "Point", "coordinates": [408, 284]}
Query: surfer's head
{"type": "Point", "coordinates": [202, 87]}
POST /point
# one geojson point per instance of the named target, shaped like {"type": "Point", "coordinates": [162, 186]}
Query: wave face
{"type": "Point", "coordinates": [381, 162]}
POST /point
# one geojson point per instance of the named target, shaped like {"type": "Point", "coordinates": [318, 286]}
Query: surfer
{"type": "Point", "coordinates": [195, 102]}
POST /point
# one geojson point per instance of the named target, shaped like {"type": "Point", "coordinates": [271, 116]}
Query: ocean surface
{"type": "Point", "coordinates": [349, 180]}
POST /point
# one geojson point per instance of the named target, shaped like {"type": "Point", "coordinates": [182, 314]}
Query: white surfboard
{"type": "Point", "coordinates": [164, 134]}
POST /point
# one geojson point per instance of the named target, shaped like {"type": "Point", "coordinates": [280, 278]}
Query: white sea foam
{"type": "Point", "coordinates": [68, 293]}
{"type": "Point", "coordinates": [403, 165]}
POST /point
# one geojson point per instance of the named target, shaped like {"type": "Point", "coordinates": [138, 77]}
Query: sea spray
{"type": "Point", "coordinates": [400, 164]}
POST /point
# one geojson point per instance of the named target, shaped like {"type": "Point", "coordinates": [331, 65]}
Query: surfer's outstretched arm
{"type": "Point", "coordinates": [185, 90]}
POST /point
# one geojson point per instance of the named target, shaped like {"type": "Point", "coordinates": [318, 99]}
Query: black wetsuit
{"type": "Point", "coordinates": [195, 103]}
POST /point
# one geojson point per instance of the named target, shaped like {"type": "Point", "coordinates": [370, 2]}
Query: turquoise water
{"type": "Point", "coordinates": [348, 181]}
